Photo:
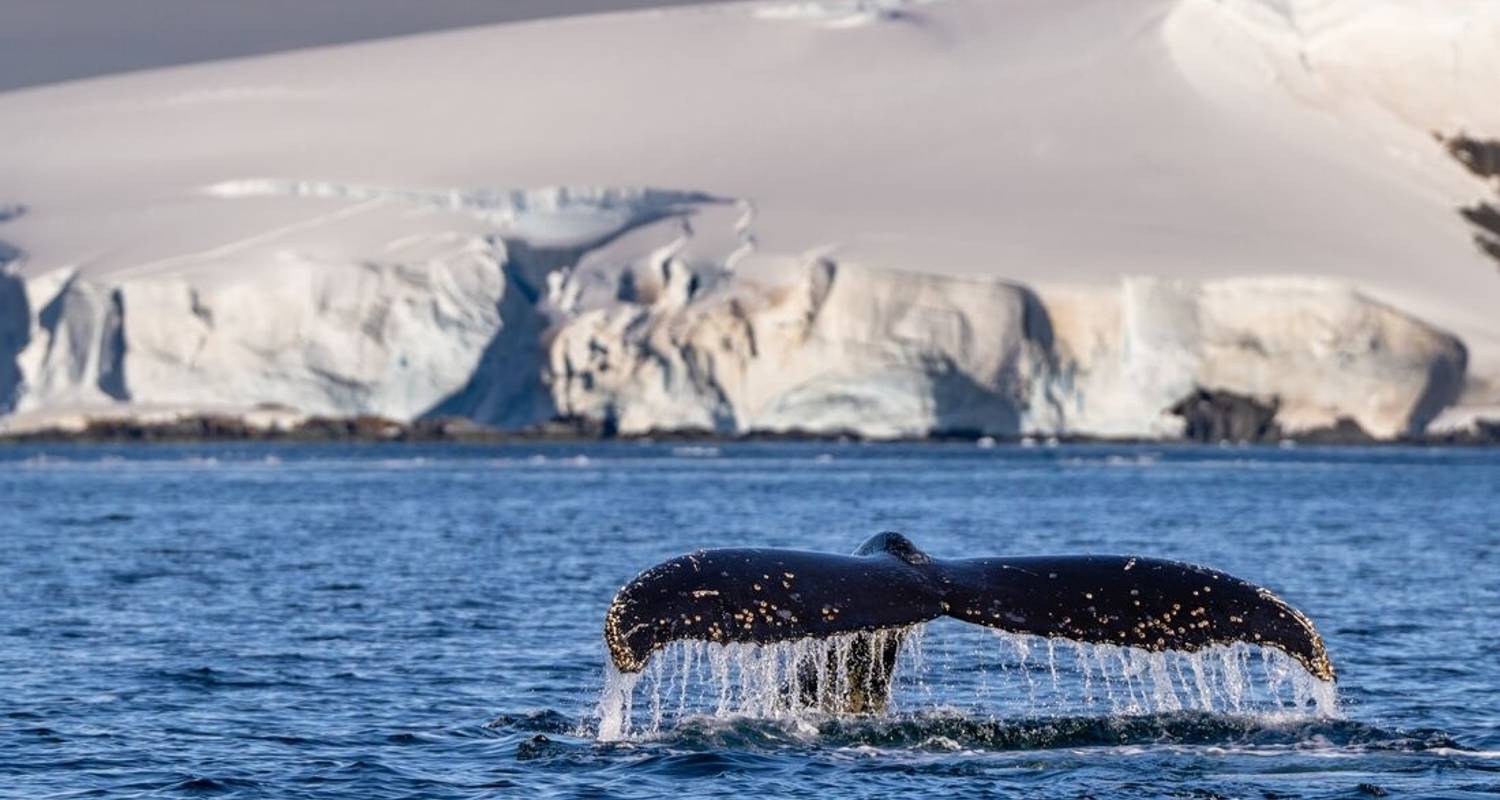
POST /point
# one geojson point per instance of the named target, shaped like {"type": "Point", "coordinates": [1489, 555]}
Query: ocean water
{"type": "Point", "coordinates": [403, 622]}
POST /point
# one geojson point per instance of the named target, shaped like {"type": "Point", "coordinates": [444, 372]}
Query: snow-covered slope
{"type": "Point", "coordinates": [890, 217]}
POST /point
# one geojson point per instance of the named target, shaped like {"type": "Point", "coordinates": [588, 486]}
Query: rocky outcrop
{"type": "Point", "coordinates": [1483, 432]}
{"type": "Point", "coordinates": [1226, 417]}
{"type": "Point", "coordinates": [1344, 431]}
{"type": "Point", "coordinates": [238, 428]}
{"type": "Point", "coordinates": [1481, 157]}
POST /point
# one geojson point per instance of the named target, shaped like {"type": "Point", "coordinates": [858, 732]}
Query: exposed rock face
{"type": "Point", "coordinates": [1481, 432]}
{"type": "Point", "coordinates": [1226, 417]}
{"type": "Point", "coordinates": [1482, 157]}
{"type": "Point", "coordinates": [1342, 431]}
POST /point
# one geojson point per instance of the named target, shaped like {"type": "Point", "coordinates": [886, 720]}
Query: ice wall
{"type": "Point", "coordinates": [838, 348]}
{"type": "Point", "coordinates": [644, 310]}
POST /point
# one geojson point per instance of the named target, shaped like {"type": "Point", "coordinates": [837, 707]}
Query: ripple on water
{"type": "Point", "coordinates": [351, 622]}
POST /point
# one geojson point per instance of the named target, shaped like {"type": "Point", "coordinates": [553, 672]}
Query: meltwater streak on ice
{"type": "Point", "coordinates": [1010, 676]}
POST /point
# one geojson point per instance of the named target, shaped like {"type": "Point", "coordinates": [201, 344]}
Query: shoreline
{"type": "Point", "coordinates": [211, 429]}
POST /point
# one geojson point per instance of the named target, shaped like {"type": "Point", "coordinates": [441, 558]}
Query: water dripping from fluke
{"type": "Point", "coordinates": [1035, 689]}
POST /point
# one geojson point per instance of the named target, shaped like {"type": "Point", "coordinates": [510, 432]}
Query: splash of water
{"type": "Point", "coordinates": [1001, 675]}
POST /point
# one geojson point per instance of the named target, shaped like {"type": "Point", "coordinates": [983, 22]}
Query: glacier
{"type": "Point", "coordinates": [441, 322]}
{"type": "Point", "coordinates": [643, 310]}
{"type": "Point", "coordinates": [885, 218]}
{"type": "Point", "coordinates": [831, 348]}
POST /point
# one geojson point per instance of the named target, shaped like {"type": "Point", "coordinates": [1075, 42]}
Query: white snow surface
{"type": "Point", "coordinates": [1028, 215]}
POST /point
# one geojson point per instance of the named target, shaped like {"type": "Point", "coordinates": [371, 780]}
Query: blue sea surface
{"type": "Point", "coordinates": [362, 621]}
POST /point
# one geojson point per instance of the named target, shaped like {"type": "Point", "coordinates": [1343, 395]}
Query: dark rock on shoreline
{"type": "Point", "coordinates": [1212, 417]}
{"type": "Point", "coordinates": [1486, 432]}
{"type": "Point", "coordinates": [1219, 416]}
{"type": "Point", "coordinates": [222, 428]}
{"type": "Point", "coordinates": [1345, 431]}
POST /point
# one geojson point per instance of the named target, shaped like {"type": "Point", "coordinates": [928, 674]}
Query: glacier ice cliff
{"type": "Point", "coordinates": [879, 353]}
{"type": "Point", "coordinates": [1318, 349]}
{"type": "Point", "coordinates": [648, 310]}
{"type": "Point", "coordinates": [832, 349]}
{"type": "Point", "coordinates": [441, 320]}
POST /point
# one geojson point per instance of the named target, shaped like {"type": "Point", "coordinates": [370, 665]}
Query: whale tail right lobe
{"type": "Point", "coordinates": [1129, 601]}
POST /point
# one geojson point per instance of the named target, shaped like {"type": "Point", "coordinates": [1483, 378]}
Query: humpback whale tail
{"type": "Point", "coordinates": [888, 584]}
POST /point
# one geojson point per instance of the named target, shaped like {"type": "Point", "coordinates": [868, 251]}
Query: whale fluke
{"type": "Point", "coordinates": [763, 596]}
